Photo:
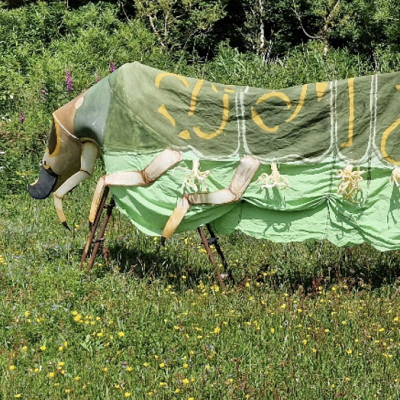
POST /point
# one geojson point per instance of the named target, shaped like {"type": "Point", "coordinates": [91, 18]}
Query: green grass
{"type": "Point", "coordinates": [303, 321]}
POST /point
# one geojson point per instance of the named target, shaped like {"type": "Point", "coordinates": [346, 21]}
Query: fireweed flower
{"type": "Point", "coordinates": [68, 80]}
{"type": "Point", "coordinates": [112, 67]}
{"type": "Point", "coordinates": [22, 117]}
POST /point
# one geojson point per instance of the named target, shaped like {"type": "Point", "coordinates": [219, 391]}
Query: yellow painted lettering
{"type": "Point", "coordinates": [185, 135]}
{"type": "Point", "coordinates": [225, 117]}
{"type": "Point", "coordinates": [260, 123]}
{"type": "Point", "coordinates": [163, 75]}
{"type": "Point", "coordinates": [349, 142]}
{"type": "Point", "coordinates": [385, 138]}
{"type": "Point", "coordinates": [195, 93]}
{"type": "Point", "coordinates": [164, 112]}
{"type": "Point", "coordinates": [279, 95]}
{"type": "Point", "coordinates": [300, 105]}
{"type": "Point", "coordinates": [321, 89]}
{"type": "Point", "coordinates": [256, 117]}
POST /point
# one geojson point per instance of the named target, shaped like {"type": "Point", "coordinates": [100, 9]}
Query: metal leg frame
{"type": "Point", "coordinates": [212, 240]}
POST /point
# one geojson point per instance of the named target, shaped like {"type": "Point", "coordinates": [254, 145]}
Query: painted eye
{"type": "Point", "coordinates": [52, 142]}
{"type": "Point", "coordinates": [44, 163]}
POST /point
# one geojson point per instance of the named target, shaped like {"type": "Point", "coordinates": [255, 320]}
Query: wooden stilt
{"type": "Point", "coordinates": [213, 240]}
{"type": "Point", "coordinates": [109, 207]}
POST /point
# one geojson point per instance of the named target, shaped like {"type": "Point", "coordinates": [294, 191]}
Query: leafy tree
{"type": "Point", "coordinates": [186, 25]}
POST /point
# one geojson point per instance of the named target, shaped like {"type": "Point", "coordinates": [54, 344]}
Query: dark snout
{"type": "Point", "coordinates": [44, 185]}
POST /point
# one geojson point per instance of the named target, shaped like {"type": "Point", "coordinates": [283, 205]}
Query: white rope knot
{"type": "Point", "coordinates": [273, 180]}
{"type": "Point", "coordinates": [196, 179]}
{"type": "Point", "coordinates": [395, 177]}
{"type": "Point", "coordinates": [349, 186]}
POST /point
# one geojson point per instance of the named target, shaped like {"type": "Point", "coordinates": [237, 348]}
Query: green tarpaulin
{"type": "Point", "coordinates": [310, 132]}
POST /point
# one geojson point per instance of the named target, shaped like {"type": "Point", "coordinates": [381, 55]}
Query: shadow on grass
{"type": "Point", "coordinates": [292, 266]}
{"type": "Point", "coordinates": [358, 267]}
{"type": "Point", "coordinates": [155, 263]}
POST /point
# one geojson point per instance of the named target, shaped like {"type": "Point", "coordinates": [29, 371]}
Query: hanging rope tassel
{"type": "Point", "coordinates": [349, 186]}
{"type": "Point", "coordinates": [275, 179]}
{"type": "Point", "coordinates": [395, 177]}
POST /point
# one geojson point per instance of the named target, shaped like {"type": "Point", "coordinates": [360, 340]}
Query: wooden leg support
{"type": "Point", "coordinates": [212, 240]}
{"type": "Point", "coordinates": [100, 238]}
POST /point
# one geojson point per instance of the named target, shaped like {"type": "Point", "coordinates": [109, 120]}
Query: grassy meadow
{"type": "Point", "coordinates": [303, 321]}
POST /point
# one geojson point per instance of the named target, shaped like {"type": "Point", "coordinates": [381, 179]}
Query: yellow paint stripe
{"type": "Point", "coordinates": [195, 93]}
{"type": "Point", "coordinates": [164, 112]}
{"type": "Point", "coordinates": [321, 89]}
{"type": "Point", "coordinates": [185, 134]}
{"type": "Point", "coordinates": [350, 135]}
{"type": "Point", "coordinates": [214, 88]}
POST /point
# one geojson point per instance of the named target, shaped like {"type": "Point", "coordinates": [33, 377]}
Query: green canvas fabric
{"type": "Point", "coordinates": [309, 131]}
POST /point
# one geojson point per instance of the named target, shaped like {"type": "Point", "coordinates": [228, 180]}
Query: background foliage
{"type": "Point", "coordinates": [260, 43]}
